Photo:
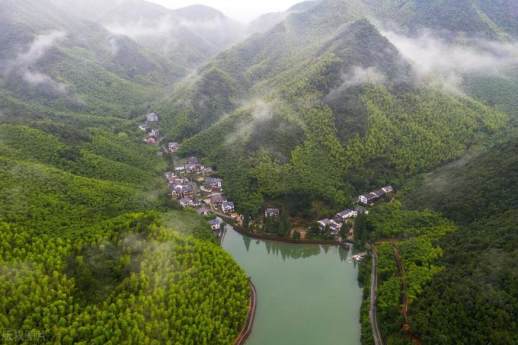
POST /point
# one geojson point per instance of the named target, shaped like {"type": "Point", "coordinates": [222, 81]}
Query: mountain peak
{"type": "Point", "coordinates": [199, 13]}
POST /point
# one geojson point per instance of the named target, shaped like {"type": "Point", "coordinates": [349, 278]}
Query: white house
{"type": "Point", "coordinates": [345, 215]}
{"type": "Point", "coordinates": [216, 224]}
{"type": "Point", "coordinates": [272, 213]}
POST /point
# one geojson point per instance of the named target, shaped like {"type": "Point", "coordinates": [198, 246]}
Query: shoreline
{"type": "Point", "coordinates": [247, 329]}
{"type": "Point", "coordinates": [268, 237]}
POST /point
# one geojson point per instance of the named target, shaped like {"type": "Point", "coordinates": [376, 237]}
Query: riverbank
{"type": "Point", "coordinates": [270, 237]}
{"type": "Point", "coordinates": [247, 329]}
{"type": "Point", "coordinates": [299, 285]}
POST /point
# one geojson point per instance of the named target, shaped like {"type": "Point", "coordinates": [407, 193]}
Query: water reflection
{"type": "Point", "coordinates": [308, 294]}
{"type": "Point", "coordinates": [289, 250]}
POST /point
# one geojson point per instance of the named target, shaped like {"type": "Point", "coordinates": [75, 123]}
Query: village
{"type": "Point", "coordinates": [196, 186]}
{"type": "Point", "coordinates": [192, 184]}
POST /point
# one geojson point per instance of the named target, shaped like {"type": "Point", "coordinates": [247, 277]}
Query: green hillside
{"type": "Point", "coordinates": [480, 194]}
{"type": "Point", "coordinates": [88, 255]}
{"type": "Point", "coordinates": [355, 111]}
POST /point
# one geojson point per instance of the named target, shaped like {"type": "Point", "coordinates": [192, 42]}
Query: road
{"type": "Point", "coordinates": [373, 315]}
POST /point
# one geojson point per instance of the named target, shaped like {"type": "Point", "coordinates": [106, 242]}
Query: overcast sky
{"type": "Point", "coordinates": [243, 10]}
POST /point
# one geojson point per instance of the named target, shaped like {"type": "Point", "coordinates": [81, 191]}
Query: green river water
{"type": "Point", "coordinates": [307, 294]}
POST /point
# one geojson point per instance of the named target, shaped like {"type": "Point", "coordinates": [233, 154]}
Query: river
{"type": "Point", "coordinates": [307, 294]}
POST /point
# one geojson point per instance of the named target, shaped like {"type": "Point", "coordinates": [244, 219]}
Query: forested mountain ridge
{"type": "Point", "coordinates": [186, 37]}
{"type": "Point", "coordinates": [88, 251]}
{"type": "Point", "coordinates": [339, 94]}
{"type": "Point", "coordinates": [473, 301]}
{"type": "Point", "coordinates": [113, 62]}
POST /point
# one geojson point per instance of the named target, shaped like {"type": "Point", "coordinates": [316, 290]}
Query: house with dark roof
{"type": "Point", "coordinates": [333, 226]}
{"type": "Point", "coordinates": [373, 197]}
{"type": "Point", "coordinates": [345, 215]}
{"type": "Point", "coordinates": [173, 147]}
{"type": "Point", "coordinates": [193, 168]}
{"type": "Point", "coordinates": [227, 207]}
{"type": "Point", "coordinates": [216, 224]}
{"type": "Point", "coordinates": [183, 190]}
{"type": "Point", "coordinates": [213, 184]}
{"type": "Point", "coordinates": [186, 202]}
{"type": "Point", "coordinates": [216, 200]}
{"type": "Point", "coordinates": [203, 211]}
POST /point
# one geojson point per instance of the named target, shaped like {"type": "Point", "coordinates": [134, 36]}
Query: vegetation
{"type": "Point", "coordinates": [408, 260]}
{"type": "Point", "coordinates": [85, 258]}
{"type": "Point", "coordinates": [128, 281]}
{"type": "Point", "coordinates": [473, 300]}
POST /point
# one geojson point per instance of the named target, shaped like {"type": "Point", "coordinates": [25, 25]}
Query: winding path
{"type": "Point", "coordinates": [373, 316]}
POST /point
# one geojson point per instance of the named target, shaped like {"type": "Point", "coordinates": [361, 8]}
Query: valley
{"type": "Point", "coordinates": [341, 172]}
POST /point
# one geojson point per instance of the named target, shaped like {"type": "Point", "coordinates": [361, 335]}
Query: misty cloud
{"type": "Point", "coordinates": [142, 29]}
{"type": "Point", "coordinates": [439, 61]}
{"type": "Point", "coordinates": [355, 77]}
{"type": "Point", "coordinates": [24, 64]}
{"type": "Point", "coordinates": [260, 112]}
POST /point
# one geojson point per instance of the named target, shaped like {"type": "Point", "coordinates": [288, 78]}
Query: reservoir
{"type": "Point", "coordinates": [307, 294]}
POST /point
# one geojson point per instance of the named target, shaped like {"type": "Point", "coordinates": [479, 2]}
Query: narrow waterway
{"type": "Point", "coordinates": [307, 294]}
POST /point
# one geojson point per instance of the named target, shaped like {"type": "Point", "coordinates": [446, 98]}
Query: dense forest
{"type": "Point", "coordinates": [448, 280]}
{"type": "Point", "coordinates": [315, 106]}
{"type": "Point", "coordinates": [88, 254]}
{"type": "Point", "coordinates": [479, 279]}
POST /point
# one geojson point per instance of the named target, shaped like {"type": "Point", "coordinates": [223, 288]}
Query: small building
{"type": "Point", "coordinates": [193, 168]}
{"type": "Point", "coordinates": [216, 200]}
{"type": "Point", "coordinates": [388, 189]}
{"type": "Point", "coordinates": [183, 191]}
{"type": "Point", "coordinates": [216, 224]}
{"type": "Point", "coordinates": [151, 141]}
{"type": "Point", "coordinates": [372, 197]}
{"type": "Point", "coordinates": [154, 133]}
{"type": "Point", "coordinates": [186, 202]}
{"type": "Point", "coordinates": [345, 215]}
{"type": "Point", "coordinates": [333, 226]}
{"type": "Point", "coordinates": [203, 211]}
{"type": "Point", "coordinates": [213, 184]}
{"type": "Point", "coordinates": [173, 147]}
{"type": "Point", "coordinates": [227, 207]}
{"type": "Point", "coordinates": [152, 117]}
{"type": "Point", "coordinates": [272, 213]}
{"type": "Point", "coordinates": [192, 160]}
{"type": "Point", "coordinates": [179, 170]}
{"type": "Point", "coordinates": [196, 203]}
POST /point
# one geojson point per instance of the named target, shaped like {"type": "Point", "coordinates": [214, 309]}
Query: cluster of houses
{"type": "Point", "coordinates": [335, 225]}
{"type": "Point", "coordinates": [192, 166]}
{"type": "Point", "coordinates": [151, 128]}
{"type": "Point", "coordinates": [210, 189]}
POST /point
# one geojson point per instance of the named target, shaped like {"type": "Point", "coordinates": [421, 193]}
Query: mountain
{"type": "Point", "coordinates": [54, 61]}
{"type": "Point", "coordinates": [480, 193]}
{"type": "Point", "coordinates": [467, 18]}
{"type": "Point", "coordinates": [267, 21]}
{"type": "Point", "coordinates": [324, 88]}
{"type": "Point", "coordinates": [86, 220]}
{"type": "Point", "coordinates": [104, 57]}
{"type": "Point", "coordinates": [187, 37]}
